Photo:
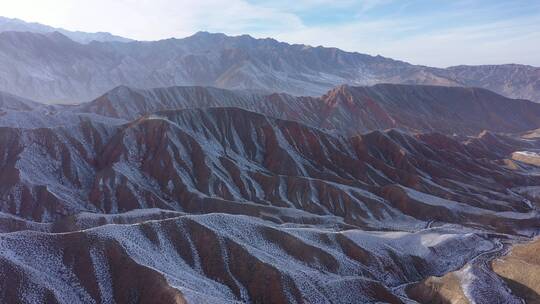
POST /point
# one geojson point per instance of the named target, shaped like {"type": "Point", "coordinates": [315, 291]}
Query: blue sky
{"type": "Point", "coordinates": [437, 33]}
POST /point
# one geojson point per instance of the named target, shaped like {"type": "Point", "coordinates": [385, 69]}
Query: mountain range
{"type": "Point", "coordinates": [194, 171]}
{"type": "Point", "coordinates": [48, 66]}
{"type": "Point", "coordinates": [188, 189]}
{"type": "Point", "coordinates": [17, 25]}
{"type": "Point", "coordinates": [345, 110]}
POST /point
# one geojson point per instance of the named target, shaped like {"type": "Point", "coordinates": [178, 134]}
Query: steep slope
{"type": "Point", "coordinates": [173, 159]}
{"type": "Point", "coordinates": [226, 259]}
{"type": "Point", "coordinates": [52, 68]}
{"type": "Point", "coordinates": [226, 205]}
{"type": "Point", "coordinates": [464, 111]}
{"type": "Point", "coordinates": [348, 110]}
{"type": "Point", "coordinates": [130, 103]}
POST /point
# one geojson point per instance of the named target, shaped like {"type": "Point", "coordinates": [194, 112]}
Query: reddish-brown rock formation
{"type": "Point", "coordinates": [227, 205]}
{"type": "Point", "coordinates": [346, 109]}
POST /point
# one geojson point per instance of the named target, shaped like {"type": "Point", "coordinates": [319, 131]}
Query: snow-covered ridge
{"type": "Point", "coordinates": [211, 204]}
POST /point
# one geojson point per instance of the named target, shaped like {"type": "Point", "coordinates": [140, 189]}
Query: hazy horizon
{"type": "Point", "coordinates": [420, 32]}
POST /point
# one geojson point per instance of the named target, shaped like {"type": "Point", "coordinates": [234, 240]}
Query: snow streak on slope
{"type": "Point", "coordinates": [227, 205]}
{"type": "Point", "coordinates": [227, 259]}
{"type": "Point", "coordinates": [53, 68]}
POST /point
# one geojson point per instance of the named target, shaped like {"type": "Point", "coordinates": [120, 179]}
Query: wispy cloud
{"type": "Point", "coordinates": [155, 19]}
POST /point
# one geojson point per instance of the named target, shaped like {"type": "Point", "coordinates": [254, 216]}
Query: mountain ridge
{"type": "Point", "coordinates": [224, 200]}
{"type": "Point", "coordinates": [18, 25]}
{"type": "Point", "coordinates": [219, 169]}
{"type": "Point", "coordinates": [346, 109]}
{"type": "Point", "coordinates": [77, 72]}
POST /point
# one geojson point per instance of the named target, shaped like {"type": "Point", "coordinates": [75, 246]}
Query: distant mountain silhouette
{"type": "Point", "coordinates": [50, 67]}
